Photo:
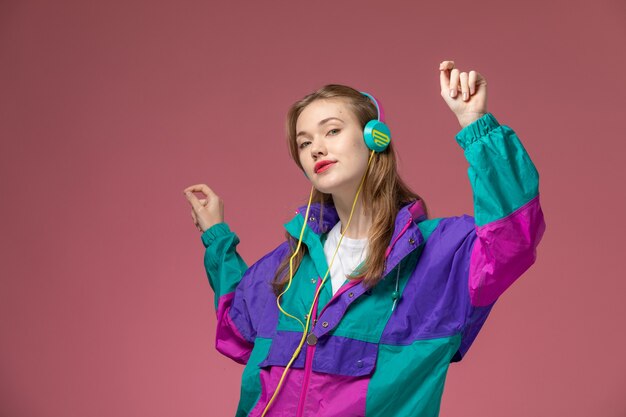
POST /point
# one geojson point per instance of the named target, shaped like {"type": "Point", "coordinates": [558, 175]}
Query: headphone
{"type": "Point", "coordinates": [376, 133]}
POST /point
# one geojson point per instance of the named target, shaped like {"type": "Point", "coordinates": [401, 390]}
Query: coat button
{"type": "Point", "coordinates": [312, 218]}
{"type": "Point", "coordinates": [359, 363]}
{"type": "Point", "coordinates": [351, 295]}
{"type": "Point", "coordinates": [313, 280]}
{"type": "Point", "coordinates": [412, 241]}
{"type": "Point", "coordinates": [311, 339]}
{"type": "Point", "coordinates": [325, 324]}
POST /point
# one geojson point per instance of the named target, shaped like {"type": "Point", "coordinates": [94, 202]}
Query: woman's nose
{"type": "Point", "coordinates": [317, 148]}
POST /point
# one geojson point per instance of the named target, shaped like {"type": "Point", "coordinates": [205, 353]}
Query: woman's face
{"type": "Point", "coordinates": [331, 147]}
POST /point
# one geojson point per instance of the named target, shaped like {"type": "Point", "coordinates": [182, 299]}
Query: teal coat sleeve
{"type": "Point", "coordinates": [225, 269]}
{"type": "Point", "coordinates": [223, 265]}
{"type": "Point", "coordinates": [508, 216]}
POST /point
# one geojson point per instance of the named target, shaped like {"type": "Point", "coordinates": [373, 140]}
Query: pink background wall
{"type": "Point", "coordinates": [109, 109]}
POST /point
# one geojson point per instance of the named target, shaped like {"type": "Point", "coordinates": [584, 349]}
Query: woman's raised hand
{"type": "Point", "coordinates": [207, 211]}
{"type": "Point", "coordinates": [465, 93]}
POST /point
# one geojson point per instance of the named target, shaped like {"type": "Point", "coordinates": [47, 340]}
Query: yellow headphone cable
{"type": "Point", "coordinates": [305, 327]}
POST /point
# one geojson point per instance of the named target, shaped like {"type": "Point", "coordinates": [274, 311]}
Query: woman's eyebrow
{"type": "Point", "coordinates": [326, 120]}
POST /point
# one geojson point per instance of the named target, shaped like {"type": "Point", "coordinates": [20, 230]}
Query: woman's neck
{"type": "Point", "coordinates": [359, 225]}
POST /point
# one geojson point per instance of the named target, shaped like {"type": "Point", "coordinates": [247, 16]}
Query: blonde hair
{"type": "Point", "coordinates": [383, 194]}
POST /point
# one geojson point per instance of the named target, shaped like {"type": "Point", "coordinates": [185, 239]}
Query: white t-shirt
{"type": "Point", "coordinates": [350, 254]}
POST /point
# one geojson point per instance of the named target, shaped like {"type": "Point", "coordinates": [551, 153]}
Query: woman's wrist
{"type": "Point", "coordinates": [469, 118]}
{"type": "Point", "coordinates": [210, 234]}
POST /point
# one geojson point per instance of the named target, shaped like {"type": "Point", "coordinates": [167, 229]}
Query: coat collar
{"type": "Point", "coordinates": [321, 224]}
{"type": "Point", "coordinates": [405, 238]}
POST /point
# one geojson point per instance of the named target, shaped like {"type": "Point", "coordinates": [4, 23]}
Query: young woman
{"type": "Point", "coordinates": [363, 307]}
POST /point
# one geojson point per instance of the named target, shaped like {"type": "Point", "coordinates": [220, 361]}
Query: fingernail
{"type": "Point", "coordinates": [452, 91]}
{"type": "Point", "coordinates": [464, 96]}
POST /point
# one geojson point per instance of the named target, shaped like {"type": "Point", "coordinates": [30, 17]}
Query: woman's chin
{"type": "Point", "coordinates": [325, 187]}
{"type": "Point", "coordinates": [336, 189]}
{"type": "Point", "coordinates": [325, 190]}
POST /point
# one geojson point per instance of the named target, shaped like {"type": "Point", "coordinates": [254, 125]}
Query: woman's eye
{"type": "Point", "coordinates": [334, 130]}
{"type": "Point", "coordinates": [304, 144]}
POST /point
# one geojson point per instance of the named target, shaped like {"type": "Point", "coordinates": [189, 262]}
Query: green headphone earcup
{"type": "Point", "coordinates": [377, 135]}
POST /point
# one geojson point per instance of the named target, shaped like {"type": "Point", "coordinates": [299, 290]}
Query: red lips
{"type": "Point", "coordinates": [321, 165]}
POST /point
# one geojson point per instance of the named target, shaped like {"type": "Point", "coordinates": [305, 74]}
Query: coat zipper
{"type": "Point", "coordinates": [310, 350]}
{"type": "Point", "coordinates": [308, 363]}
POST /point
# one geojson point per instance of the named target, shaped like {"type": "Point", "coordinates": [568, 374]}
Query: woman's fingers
{"type": "Point", "coordinates": [193, 200]}
{"type": "Point", "coordinates": [446, 65]}
{"type": "Point", "coordinates": [195, 221]}
{"type": "Point", "coordinates": [444, 75]}
{"type": "Point", "coordinates": [202, 188]}
{"type": "Point", "coordinates": [193, 212]}
{"type": "Point", "coordinates": [464, 85]}
{"type": "Point", "coordinates": [449, 78]}
{"type": "Point", "coordinates": [454, 82]}
{"type": "Point", "coordinates": [473, 87]}
{"type": "Point", "coordinates": [205, 211]}
{"type": "Point", "coordinates": [472, 82]}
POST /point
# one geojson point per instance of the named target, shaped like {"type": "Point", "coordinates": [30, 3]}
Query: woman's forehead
{"type": "Point", "coordinates": [323, 109]}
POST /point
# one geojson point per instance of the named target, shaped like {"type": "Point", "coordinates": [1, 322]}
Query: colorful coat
{"type": "Point", "coordinates": [369, 356]}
